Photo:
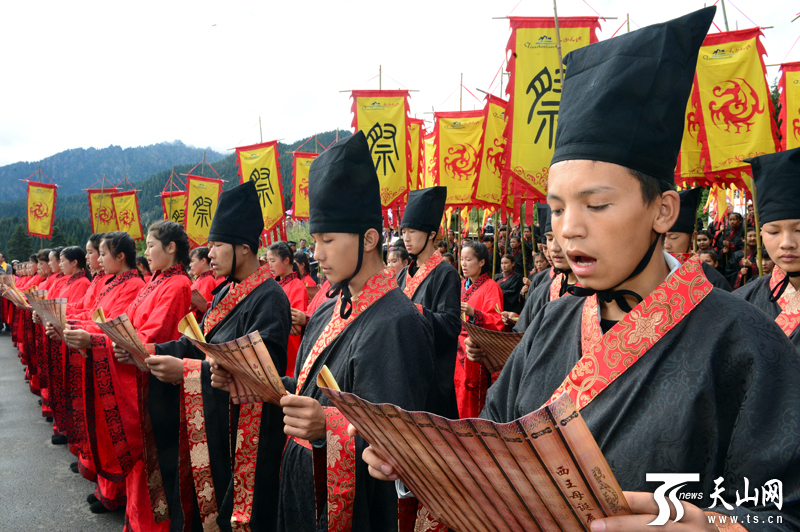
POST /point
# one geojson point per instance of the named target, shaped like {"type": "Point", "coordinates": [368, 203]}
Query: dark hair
{"type": "Point", "coordinates": [283, 251]}
{"type": "Point", "coordinates": [121, 242]}
{"type": "Point", "coordinates": [704, 232]}
{"type": "Point", "coordinates": [165, 232]}
{"type": "Point", "coordinates": [302, 258]}
{"type": "Point", "coordinates": [200, 252]}
{"type": "Point", "coordinates": [141, 260]}
{"type": "Point", "coordinates": [401, 251]}
{"type": "Point", "coordinates": [651, 187]}
{"type": "Point", "coordinates": [33, 258]}
{"type": "Point", "coordinates": [736, 214]}
{"type": "Point", "coordinates": [95, 240]}
{"type": "Point", "coordinates": [441, 243]}
{"type": "Point", "coordinates": [488, 238]}
{"type": "Point", "coordinates": [44, 255]}
{"type": "Point", "coordinates": [711, 253]}
{"type": "Point", "coordinates": [508, 256]}
{"type": "Point", "coordinates": [449, 256]}
{"type": "Point", "coordinates": [76, 253]}
{"type": "Point", "coordinates": [57, 251]}
{"type": "Point", "coordinates": [481, 252]}
{"type": "Point", "coordinates": [539, 254]}
{"type": "Point", "coordinates": [515, 237]}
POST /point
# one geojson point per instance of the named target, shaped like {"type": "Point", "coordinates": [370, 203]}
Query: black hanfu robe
{"type": "Point", "coordinates": [436, 289]}
{"type": "Point", "coordinates": [539, 277]}
{"type": "Point", "coordinates": [785, 312]}
{"type": "Point", "coordinates": [549, 289]}
{"type": "Point", "coordinates": [265, 308]}
{"type": "Point", "coordinates": [511, 287]}
{"type": "Point", "coordinates": [384, 355]}
{"type": "Point", "coordinates": [717, 394]}
{"type": "Point", "coordinates": [714, 277]}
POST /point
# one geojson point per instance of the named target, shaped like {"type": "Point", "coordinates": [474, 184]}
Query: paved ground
{"type": "Point", "coordinates": [37, 489]}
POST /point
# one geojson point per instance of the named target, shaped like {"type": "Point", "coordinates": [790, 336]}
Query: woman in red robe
{"type": "Point", "coordinates": [281, 264]}
{"type": "Point", "coordinates": [205, 282]}
{"type": "Point", "coordinates": [49, 269]}
{"type": "Point", "coordinates": [98, 276]}
{"type": "Point", "coordinates": [304, 269]}
{"type": "Point", "coordinates": [91, 431]}
{"type": "Point", "coordinates": [482, 305]}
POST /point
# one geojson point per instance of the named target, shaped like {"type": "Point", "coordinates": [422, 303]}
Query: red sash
{"type": "Point", "coordinates": [607, 356]}
{"type": "Point", "coordinates": [789, 302]}
{"type": "Point", "coordinates": [340, 461]}
{"type": "Point", "coordinates": [412, 283]}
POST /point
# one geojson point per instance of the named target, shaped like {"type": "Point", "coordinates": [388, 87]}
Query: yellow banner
{"type": "Point", "coordinates": [735, 101]}
{"type": "Point", "coordinates": [429, 172]}
{"type": "Point", "coordinates": [202, 194]}
{"type": "Point", "coordinates": [302, 164]}
{"type": "Point", "coordinates": [382, 116]}
{"type": "Point", "coordinates": [41, 209]}
{"type": "Point", "coordinates": [260, 163]}
{"type": "Point", "coordinates": [173, 205]}
{"type": "Point", "coordinates": [791, 108]}
{"type": "Point", "coordinates": [101, 210]}
{"type": "Point", "coordinates": [415, 132]}
{"type": "Point", "coordinates": [536, 92]}
{"type": "Point", "coordinates": [126, 209]}
{"type": "Point", "coordinates": [458, 153]}
{"type": "Point", "coordinates": [488, 185]}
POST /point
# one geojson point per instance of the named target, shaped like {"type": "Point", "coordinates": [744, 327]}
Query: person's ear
{"type": "Point", "coordinates": [667, 212]}
{"type": "Point", "coordinates": [370, 240]}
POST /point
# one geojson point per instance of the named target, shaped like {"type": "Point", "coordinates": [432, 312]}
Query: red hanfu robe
{"type": "Point", "coordinates": [320, 298]}
{"type": "Point", "coordinates": [472, 379]}
{"type": "Point", "coordinates": [205, 283]}
{"type": "Point", "coordinates": [155, 314]}
{"type": "Point", "coordinates": [89, 297]}
{"type": "Point", "coordinates": [38, 379]}
{"type": "Point", "coordinates": [297, 293]}
{"type": "Point", "coordinates": [22, 326]}
{"type": "Point", "coordinates": [91, 431]}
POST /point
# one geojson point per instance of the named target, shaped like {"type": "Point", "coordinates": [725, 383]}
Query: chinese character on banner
{"type": "Point", "coordinates": [534, 91]}
{"type": "Point", "coordinates": [101, 209]}
{"type": "Point", "coordinates": [416, 132]}
{"type": "Point", "coordinates": [202, 194]}
{"type": "Point", "coordinates": [790, 105]}
{"type": "Point", "coordinates": [173, 204]}
{"type": "Point", "coordinates": [126, 208]}
{"type": "Point", "coordinates": [261, 163]}
{"type": "Point", "coordinates": [458, 151]}
{"type": "Point", "coordinates": [429, 170]}
{"type": "Point", "coordinates": [41, 209]}
{"type": "Point", "coordinates": [487, 190]}
{"type": "Point", "coordinates": [383, 117]}
{"type": "Point", "coordinates": [301, 166]}
{"type": "Point", "coordinates": [735, 109]}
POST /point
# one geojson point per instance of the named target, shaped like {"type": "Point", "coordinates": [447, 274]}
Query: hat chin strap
{"type": "Point", "coordinates": [778, 291]}
{"type": "Point", "coordinates": [343, 287]}
{"type": "Point", "coordinates": [413, 256]}
{"type": "Point", "coordinates": [618, 296]}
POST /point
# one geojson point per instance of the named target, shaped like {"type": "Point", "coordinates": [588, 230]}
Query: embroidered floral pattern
{"type": "Point", "coordinates": [412, 283]}
{"type": "Point", "coordinates": [607, 356]}
{"type": "Point", "coordinates": [235, 294]}
{"type": "Point", "coordinates": [789, 302]}
{"type": "Point", "coordinates": [288, 279]}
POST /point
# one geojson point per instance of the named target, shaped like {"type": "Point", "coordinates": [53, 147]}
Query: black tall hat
{"type": "Point", "coordinates": [777, 181]}
{"type": "Point", "coordinates": [238, 219]}
{"type": "Point", "coordinates": [543, 211]}
{"type": "Point", "coordinates": [425, 209]}
{"type": "Point", "coordinates": [624, 99]}
{"type": "Point", "coordinates": [343, 190]}
{"type": "Point", "coordinates": [687, 218]}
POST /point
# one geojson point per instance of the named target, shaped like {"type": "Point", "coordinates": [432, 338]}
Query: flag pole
{"type": "Point", "coordinates": [461, 92]}
{"type": "Point", "coordinates": [494, 246]}
{"type": "Point", "coordinates": [758, 230]}
{"type": "Point", "coordinates": [725, 15]}
{"type": "Point", "coordinates": [558, 44]}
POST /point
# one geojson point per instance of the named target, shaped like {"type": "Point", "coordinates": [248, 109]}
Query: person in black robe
{"type": "Point", "coordinates": [776, 292]}
{"type": "Point", "coordinates": [743, 267]}
{"type": "Point", "coordinates": [679, 238]}
{"type": "Point", "coordinates": [437, 291]}
{"type": "Point", "coordinates": [685, 379]}
{"type": "Point", "coordinates": [511, 284]}
{"type": "Point", "coordinates": [385, 354]}
{"type": "Point", "coordinates": [233, 239]}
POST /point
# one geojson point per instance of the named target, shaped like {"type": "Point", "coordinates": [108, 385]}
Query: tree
{"type": "Point", "coordinates": [57, 239]}
{"type": "Point", "coordinates": [775, 95]}
{"type": "Point", "coordinates": [19, 245]}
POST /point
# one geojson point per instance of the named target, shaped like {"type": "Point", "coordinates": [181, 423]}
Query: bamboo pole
{"type": "Point", "coordinates": [558, 45]}
{"type": "Point", "coordinates": [725, 15]}
{"type": "Point", "coordinates": [758, 229]}
{"type": "Point", "coordinates": [494, 246]}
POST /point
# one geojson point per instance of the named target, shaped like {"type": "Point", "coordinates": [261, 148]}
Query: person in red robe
{"type": "Point", "coordinates": [51, 283]}
{"type": "Point", "coordinates": [304, 269]}
{"type": "Point", "coordinates": [98, 457]}
{"type": "Point", "coordinates": [281, 263]}
{"type": "Point", "coordinates": [95, 266]}
{"type": "Point", "coordinates": [482, 305]}
{"type": "Point", "coordinates": [204, 282]}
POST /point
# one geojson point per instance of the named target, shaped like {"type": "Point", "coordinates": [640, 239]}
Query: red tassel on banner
{"type": "Point", "coordinates": [515, 211]}
{"type": "Point", "coordinates": [282, 227]}
{"type": "Point", "coordinates": [529, 213]}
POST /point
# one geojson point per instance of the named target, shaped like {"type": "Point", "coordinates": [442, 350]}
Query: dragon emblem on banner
{"type": "Point", "coordinates": [39, 210]}
{"type": "Point", "coordinates": [496, 156]}
{"type": "Point", "coordinates": [796, 126]}
{"type": "Point", "coordinates": [737, 105]}
{"type": "Point", "coordinates": [105, 214]}
{"type": "Point", "coordinates": [462, 161]}
{"type": "Point", "coordinates": [125, 218]}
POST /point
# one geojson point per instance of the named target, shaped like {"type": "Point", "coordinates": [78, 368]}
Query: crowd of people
{"type": "Point", "coordinates": [624, 300]}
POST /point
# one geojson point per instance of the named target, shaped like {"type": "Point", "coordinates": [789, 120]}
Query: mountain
{"type": "Point", "coordinates": [76, 169]}
{"type": "Point", "coordinates": [72, 211]}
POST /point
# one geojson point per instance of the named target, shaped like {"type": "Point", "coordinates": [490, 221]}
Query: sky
{"type": "Point", "coordinates": [91, 74]}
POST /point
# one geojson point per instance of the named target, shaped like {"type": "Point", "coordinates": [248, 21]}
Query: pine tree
{"type": "Point", "coordinates": [19, 245]}
{"type": "Point", "coordinates": [57, 239]}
